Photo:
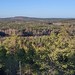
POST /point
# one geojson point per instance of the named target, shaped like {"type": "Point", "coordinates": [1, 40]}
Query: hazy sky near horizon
{"type": "Point", "coordinates": [38, 8]}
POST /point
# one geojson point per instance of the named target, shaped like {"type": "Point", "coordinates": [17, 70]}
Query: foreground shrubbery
{"type": "Point", "coordinates": [46, 55]}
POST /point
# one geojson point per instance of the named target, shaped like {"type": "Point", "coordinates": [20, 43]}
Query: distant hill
{"type": "Point", "coordinates": [22, 18]}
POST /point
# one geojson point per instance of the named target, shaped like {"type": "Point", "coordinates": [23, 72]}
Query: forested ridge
{"type": "Point", "coordinates": [52, 54]}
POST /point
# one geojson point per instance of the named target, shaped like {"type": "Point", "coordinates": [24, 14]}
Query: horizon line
{"type": "Point", "coordinates": [39, 17]}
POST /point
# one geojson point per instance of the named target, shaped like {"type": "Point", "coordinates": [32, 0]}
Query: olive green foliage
{"type": "Point", "coordinates": [43, 55]}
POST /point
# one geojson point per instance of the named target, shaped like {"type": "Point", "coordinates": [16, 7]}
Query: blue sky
{"type": "Point", "coordinates": [38, 8]}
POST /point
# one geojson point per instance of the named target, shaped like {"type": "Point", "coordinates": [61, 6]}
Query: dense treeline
{"type": "Point", "coordinates": [43, 55]}
{"type": "Point", "coordinates": [25, 26]}
{"type": "Point", "coordinates": [39, 31]}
